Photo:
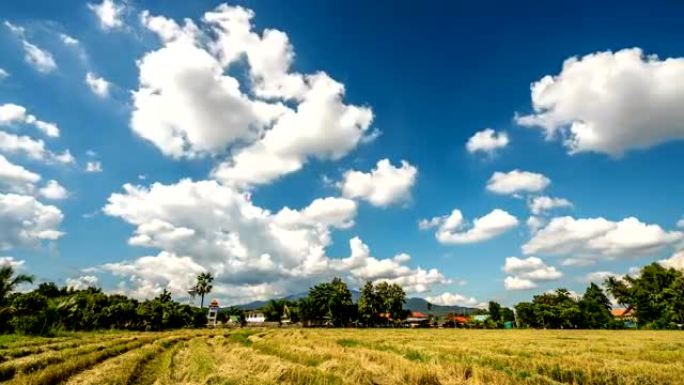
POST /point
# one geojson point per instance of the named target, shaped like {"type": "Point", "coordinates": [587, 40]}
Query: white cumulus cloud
{"type": "Point", "coordinates": [16, 178]}
{"type": "Point", "coordinates": [611, 102]}
{"type": "Point", "coordinates": [108, 13]}
{"type": "Point", "coordinates": [517, 283]}
{"type": "Point", "coordinates": [98, 85]}
{"type": "Point", "coordinates": [531, 268]}
{"type": "Point", "coordinates": [676, 261]}
{"type": "Point", "coordinates": [54, 191]}
{"type": "Point", "coordinates": [68, 40]}
{"type": "Point", "coordinates": [541, 204]}
{"type": "Point", "coordinates": [454, 229]}
{"type": "Point", "coordinates": [11, 261]}
{"type": "Point", "coordinates": [188, 105]}
{"type": "Point", "coordinates": [383, 185]}
{"type": "Point", "coordinates": [32, 148]}
{"type": "Point", "coordinates": [251, 250]}
{"type": "Point", "coordinates": [600, 237]}
{"type": "Point", "coordinates": [452, 299]}
{"type": "Point", "coordinates": [13, 113]}
{"type": "Point", "coordinates": [517, 181]}
{"type": "Point", "coordinates": [27, 222]}
{"type": "Point", "coordinates": [83, 282]}
{"type": "Point", "coordinates": [487, 141]}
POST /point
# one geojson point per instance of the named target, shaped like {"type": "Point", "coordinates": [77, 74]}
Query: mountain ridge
{"type": "Point", "coordinates": [412, 303]}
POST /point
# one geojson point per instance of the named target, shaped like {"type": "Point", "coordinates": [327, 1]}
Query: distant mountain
{"type": "Point", "coordinates": [421, 305]}
{"type": "Point", "coordinates": [414, 304]}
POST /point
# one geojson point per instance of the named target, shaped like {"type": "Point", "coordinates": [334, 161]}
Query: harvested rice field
{"type": "Point", "coordinates": [346, 356]}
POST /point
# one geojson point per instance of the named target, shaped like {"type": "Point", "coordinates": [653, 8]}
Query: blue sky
{"type": "Point", "coordinates": [278, 146]}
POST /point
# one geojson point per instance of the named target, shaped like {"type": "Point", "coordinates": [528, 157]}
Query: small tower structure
{"type": "Point", "coordinates": [213, 313]}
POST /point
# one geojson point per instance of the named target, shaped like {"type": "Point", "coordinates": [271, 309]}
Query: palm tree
{"type": "Point", "coordinates": [9, 281]}
{"type": "Point", "coordinates": [203, 286]}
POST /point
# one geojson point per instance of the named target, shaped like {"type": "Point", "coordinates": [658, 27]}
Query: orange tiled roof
{"type": "Point", "coordinates": [621, 312]}
{"type": "Point", "coordinates": [417, 314]}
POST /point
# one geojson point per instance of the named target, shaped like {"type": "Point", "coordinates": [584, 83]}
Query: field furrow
{"type": "Point", "coordinates": [62, 367]}
{"type": "Point", "coordinates": [125, 368]}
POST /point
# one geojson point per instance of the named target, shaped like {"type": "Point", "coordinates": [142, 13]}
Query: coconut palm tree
{"type": "Point", "coordinates": [9, 281]}
{"type": "Point", "coordinates": [203, 285]}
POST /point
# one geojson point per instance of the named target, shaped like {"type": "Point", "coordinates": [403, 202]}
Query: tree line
{"type": "Point", "coordinates": [655, 297]}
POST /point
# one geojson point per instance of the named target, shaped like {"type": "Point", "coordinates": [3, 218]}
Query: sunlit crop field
{"type": "Point", "coordinates": [346, 356]}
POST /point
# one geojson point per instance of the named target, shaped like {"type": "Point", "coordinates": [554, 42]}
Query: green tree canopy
{"type": "Point", "coordinates": [655, 294]}
{"type": "Point", "coordinates": [332, 301]}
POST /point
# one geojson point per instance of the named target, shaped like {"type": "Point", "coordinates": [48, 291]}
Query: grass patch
{"type": "Point", "coordinates": [415, 355]}
{"type": "Point", "coordinates": [240, 337]}
{"type": "Point", "coordinates": [348, 342]}
{"type": "Point", "coordinates": [306, 376]}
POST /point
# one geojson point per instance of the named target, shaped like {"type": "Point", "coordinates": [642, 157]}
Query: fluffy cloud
{"type": "Point", "coordinates": [595, 237]}
{"type": "Point", "coordinates": [54, 191]}
{"type": "Point", "coordinates": [68, 40]}
{"type": "Point", "coordinates": [531, 268]}
{"type": "Point", "coordinates": [364, 267]}
{"type": "Point", "coordinates": [453, 229]}
{"type": "Point", "coordinates": [676, 261]}
{"type": "Point", "coordinates": [487, 141]}
{"type": "Point", "coordinates": [34, 149]}
{"type": "Point", "coordinates": [108, 13]}
{"type": "Point", "coordinates": [517, 181]}
{"type": "Point", "coordinates": [13, 113]}
{"type": "Point", "coordinates": [98, 85]}
{"type": "Point", "coordinates": [517, 283]}
{"type": "Point", "coordinates": [451, 299]}
{"type": "Point", "coordinates": [322, 126]}
{"type": "Point", "coordinates": [534, 223]}
{"type": "Point", "coordinates": [93, 166]}
{"type": "Point", "coordinates": [38, 58]}
{"type": "Point", "coordinates": [16, 178]}
{"type": "Point", "coordinates": [541, 204]}
{"type": "Point", "coordinates": [27, 222]}
{"type": "Point", "coordinates": [384, 185]}
{"type": "Point", "coordinates": [166, 270]}
{"type": "Point", "coordinates": [3, 74]}
{"type": "Point", "coordinates": [10, 261]}
{"type": "Point", "coordinates": [186, 106]}
{"type": "Point", "coordinates": [250, 250]}
{"type": "Point", "coordinates": [680, 223]}
{"type": "Point", "coordinates": [205, 111]}
{"type": "Point", "coordinates": [611, 102]}
{"type": "Point", "coordinates": [82, 282]}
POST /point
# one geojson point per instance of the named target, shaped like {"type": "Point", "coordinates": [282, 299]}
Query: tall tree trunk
{"type": "Point", "coordinates": [202, 303]}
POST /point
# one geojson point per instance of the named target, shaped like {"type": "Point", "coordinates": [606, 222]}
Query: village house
{"type": "Point", "coordinates": [417, 319]}
{"type": "Point", "coordinates": [453, 320]}
{"type": "Point", "coordinates": [255, 318]}
{"type": "Point", "coordinates": [627, 316]}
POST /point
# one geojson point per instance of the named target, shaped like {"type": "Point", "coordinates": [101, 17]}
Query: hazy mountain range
{"type": "Point", "coordinates": [414, 304]}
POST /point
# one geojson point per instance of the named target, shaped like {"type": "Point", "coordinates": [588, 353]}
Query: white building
{"type": "Point", "coordinates": [255, 317]}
